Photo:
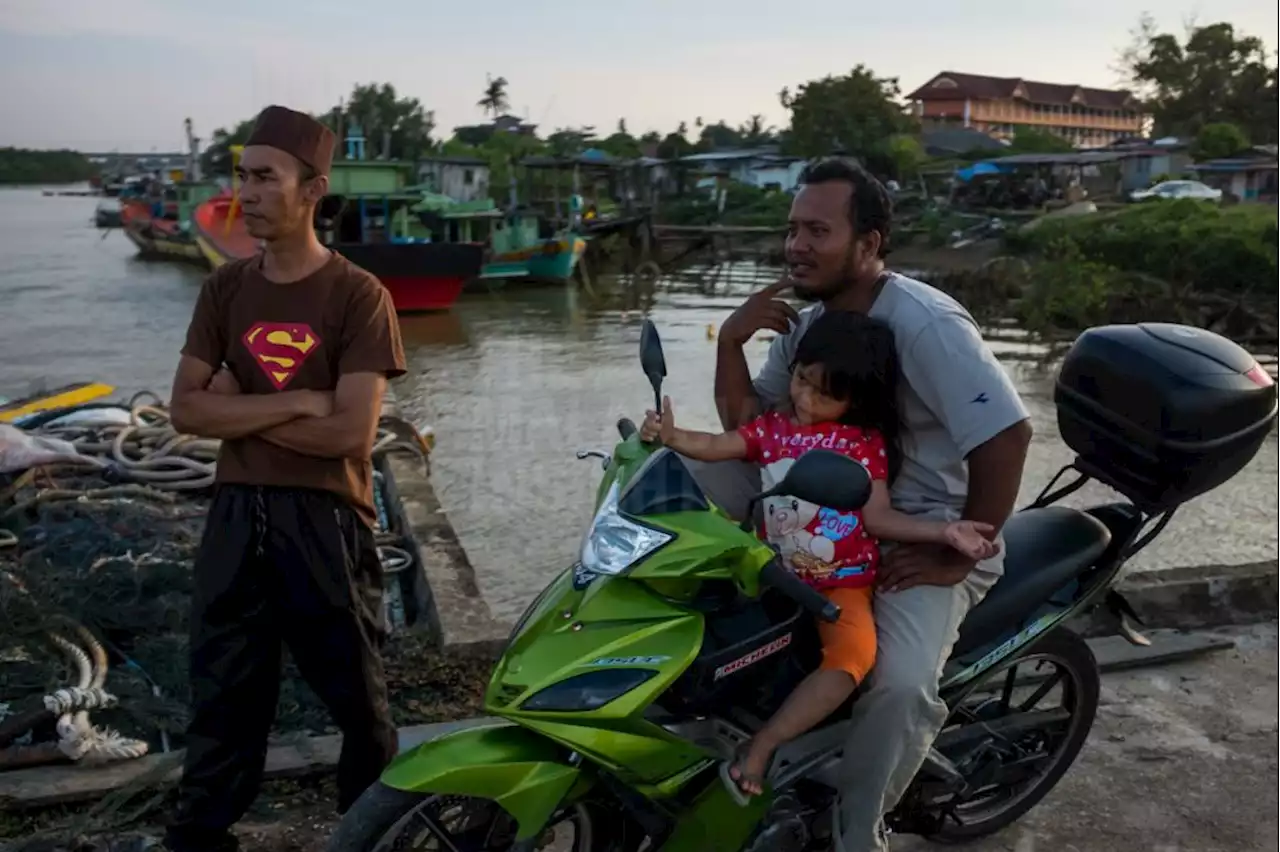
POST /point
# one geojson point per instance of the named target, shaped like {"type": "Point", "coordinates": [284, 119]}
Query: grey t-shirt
{"type": "Point", "coordinates": [955, 396]}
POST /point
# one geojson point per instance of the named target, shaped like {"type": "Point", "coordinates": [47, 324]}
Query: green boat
{"type": "Point", "coordinates": [519, 246]}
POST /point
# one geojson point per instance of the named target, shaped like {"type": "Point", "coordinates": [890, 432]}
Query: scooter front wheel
{"type": "Point", "coordinates": [385, 819]}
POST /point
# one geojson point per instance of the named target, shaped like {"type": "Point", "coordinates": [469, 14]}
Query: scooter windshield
{"type": "Point", "coordinates": [663, 485]}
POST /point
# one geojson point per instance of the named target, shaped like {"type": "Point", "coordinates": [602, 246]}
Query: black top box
{"type": "Point", "coordinates": [1161, 412]}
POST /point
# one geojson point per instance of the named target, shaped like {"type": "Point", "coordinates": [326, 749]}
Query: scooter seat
{"type": "Point", "coordinates": [1044, 550]}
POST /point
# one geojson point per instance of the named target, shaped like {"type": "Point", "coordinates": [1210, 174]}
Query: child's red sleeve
{"type": "Point", "coordinates": [753, 434]}
{"type": "Point", "coordinates": [875, 457]}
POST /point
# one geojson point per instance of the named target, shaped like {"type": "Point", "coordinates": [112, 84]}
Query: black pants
{"type": "Point", "coordinates": [279, 567]}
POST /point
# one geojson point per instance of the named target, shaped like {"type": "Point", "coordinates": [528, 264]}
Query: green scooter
{"type": "Point", "coordinates": [642, 667]}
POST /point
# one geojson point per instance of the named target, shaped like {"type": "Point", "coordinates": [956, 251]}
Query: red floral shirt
{"type": "Point", "coordinates": [826, 548]}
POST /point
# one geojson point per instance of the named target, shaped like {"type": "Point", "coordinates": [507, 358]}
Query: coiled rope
{"type": "Point", "coordinates": [147, 450]}
{"type": "Point", "coordinates": [78, 739]}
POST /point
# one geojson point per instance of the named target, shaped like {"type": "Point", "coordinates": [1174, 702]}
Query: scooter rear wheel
{"type": "Point", "coordinates": [1050, 750]}
{"type": "Point", "coordinates": [384, 819]}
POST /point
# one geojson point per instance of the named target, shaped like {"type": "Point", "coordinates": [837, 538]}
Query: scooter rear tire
{"type": "Point", "coordinates": [1075, 655]}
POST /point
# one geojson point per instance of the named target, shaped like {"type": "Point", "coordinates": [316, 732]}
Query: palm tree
{"type": "Point", "coordinates": [755, 132]}
{"type": "Point", "coordinates": [495, 100]}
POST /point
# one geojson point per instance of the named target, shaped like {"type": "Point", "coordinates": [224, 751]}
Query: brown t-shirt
{"type": "Point", "coordinates": [297, 336]}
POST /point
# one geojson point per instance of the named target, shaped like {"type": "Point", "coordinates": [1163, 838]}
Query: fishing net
{"type": "Point", "coordinates": [110, 547]}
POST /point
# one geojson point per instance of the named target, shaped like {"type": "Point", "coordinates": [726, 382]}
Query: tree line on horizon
{"type": "Point", "coordinates": [1213, 82]}
{"type": "Point", "coordinates": [24, 166]}
{"type": "Point", "coordinates": [1214, 85]}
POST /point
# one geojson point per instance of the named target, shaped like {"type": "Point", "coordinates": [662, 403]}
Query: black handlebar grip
{"type": "Point", "coordinates": [626, 428]}
{"type": "Point", "coordinates": [776, 576]}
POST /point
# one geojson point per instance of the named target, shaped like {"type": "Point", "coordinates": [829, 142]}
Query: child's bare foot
{"type": "Point", "coordinates": [749, 767]}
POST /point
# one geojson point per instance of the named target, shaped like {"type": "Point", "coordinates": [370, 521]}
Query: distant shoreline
{"type": "Point", "coordinates": [20, 166]}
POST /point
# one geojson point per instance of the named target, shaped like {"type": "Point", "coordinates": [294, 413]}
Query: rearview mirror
{"type": "Point", "coordinates": [826, 478]}
{"type": "Point", "coordinates": [652, 361]}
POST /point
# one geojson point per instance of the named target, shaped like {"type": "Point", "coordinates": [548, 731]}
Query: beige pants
{"type": "Point", "coordinates": [898, 717]}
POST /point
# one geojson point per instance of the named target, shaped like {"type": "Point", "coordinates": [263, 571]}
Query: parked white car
{"type": "Point", "coordinates": [1178, 189]}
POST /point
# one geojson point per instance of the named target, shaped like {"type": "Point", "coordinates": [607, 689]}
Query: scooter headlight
{"type": "Point", "coordinates": [615, 542]}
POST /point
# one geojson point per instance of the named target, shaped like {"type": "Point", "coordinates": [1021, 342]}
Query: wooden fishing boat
{"type": "Point", "coordinates": [162, 229]}
{"type": "Point", "coordinates": [551, 260]}
{"type": "Point", "coordinates": [521, 245]}
{"type": "Point", "coordinates": [13, 410]}
{"type": "Point", "coordinates": [107, 214]}
{"type": "Point", "coordinates": [367, 219]}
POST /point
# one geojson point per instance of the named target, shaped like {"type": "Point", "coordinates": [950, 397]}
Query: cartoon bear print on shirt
{"type": "Point", "coordinates": [787, 524]}
{"type": "Point", "coordinates": [790, 524]}
{"type": "Point", "coordinates": [824, 547]}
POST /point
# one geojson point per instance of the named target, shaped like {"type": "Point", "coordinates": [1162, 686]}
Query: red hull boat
{"type": "Point", "coordinates": [420, 276]}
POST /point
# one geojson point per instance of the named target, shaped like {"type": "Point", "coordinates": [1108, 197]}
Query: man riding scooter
{"type": "Point", "coordinates": [965, 435]}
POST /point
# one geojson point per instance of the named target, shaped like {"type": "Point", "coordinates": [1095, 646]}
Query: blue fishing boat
{"type": "Point", "coordinates": [519, 244]}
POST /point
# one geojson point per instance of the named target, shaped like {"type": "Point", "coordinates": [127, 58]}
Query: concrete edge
{"type": "Point", "coordinates": [287, 757]}
{"type": "Point", "coordinates": [1197, 596]}
{"type": "Point", "coordinates": [446, 595]}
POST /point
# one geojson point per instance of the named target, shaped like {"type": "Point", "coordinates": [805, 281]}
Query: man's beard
{"type": "Point", "coordinates": [812, 292]}
{"type": "Point", "coordinates": [807, 293]}
{"type": "Point", "coordinates": [822, 291]}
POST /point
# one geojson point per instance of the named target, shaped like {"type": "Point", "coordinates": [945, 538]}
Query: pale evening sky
{"type": "Point", "coordinates": [99, 75]}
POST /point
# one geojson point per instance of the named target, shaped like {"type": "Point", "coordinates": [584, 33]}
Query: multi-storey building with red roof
{"type": "Point", "coordinates": [999, 106]}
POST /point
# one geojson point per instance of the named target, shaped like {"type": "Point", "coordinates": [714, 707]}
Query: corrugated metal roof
{"type": "Point", "coordinates": [454, 161]}
{"type": "Point", "coordinates": [1083, 158]}
{"type": "Point", "coordinates": [735, 154]}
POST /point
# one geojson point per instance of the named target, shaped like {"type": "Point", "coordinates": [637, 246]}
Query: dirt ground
{"type": "Point", "coordinates": [1182, 758]}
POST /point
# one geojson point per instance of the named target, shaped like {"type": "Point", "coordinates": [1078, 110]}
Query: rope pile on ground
{"type": "Point", "coordinates": [95, 580]}
{"type": "Point", "coordinates": [140, 446]}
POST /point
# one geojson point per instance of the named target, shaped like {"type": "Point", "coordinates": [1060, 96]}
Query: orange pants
{"type": "Point", "coordinates": [849, 645]}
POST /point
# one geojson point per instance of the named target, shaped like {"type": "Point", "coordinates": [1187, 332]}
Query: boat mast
{"type": "Point", "coordinates": [193, 152]}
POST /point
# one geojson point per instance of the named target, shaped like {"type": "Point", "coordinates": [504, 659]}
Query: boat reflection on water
{"type": "Point", "coordinates": [441, 328]}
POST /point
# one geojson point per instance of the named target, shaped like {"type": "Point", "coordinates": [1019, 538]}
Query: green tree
{"type": "Point", "coordinates": [398, 127]}
{"type": "Point", "coordinates": [20, 165]}
{"type": "Point", "coordinates": [856, 114]}
{"type": "Point", "coordinates": [216, 158]}
{"type": "Point", "coordinates": [717, 137]}
{"type": "Point", "coordinates": [503, 152]}
{"type": "Point", "coordinates": [571, 141]}
{"type": "Point", "coordinates": [495, 101]}
{"type": "Point", "coordinates": [649, 142]}
{"type": "Point", "coordinates": [620, 143]}
{"type": "Point", "coordinates": [476, 134]}
{"type": "Point", "coordinates": [1214, 76]}
{"type": "Point", "coordinates": [1219, 139]}
{"type": "Point", "coordinates": [395, 126]}
{"type": "Point", "coordinates": [755, 132]}
{"type": "Point", "coordinates": [908, 156]}
{"type": "Point", "coordinates": [675, 145]}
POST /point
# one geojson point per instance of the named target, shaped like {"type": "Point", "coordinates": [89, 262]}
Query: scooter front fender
{"type": "Point", "coordinates": [524, 772]}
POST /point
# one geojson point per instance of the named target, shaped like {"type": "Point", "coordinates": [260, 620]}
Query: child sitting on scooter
{"type": "Point", "coordinates": [844, 387]}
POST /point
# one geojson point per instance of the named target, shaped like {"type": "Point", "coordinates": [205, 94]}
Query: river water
{"type": "Point", "coordinates": [513, 383]}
